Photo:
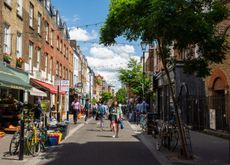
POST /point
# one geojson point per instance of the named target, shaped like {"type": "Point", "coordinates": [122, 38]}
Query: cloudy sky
{"type": "Point", "coordinates": [84, 19]}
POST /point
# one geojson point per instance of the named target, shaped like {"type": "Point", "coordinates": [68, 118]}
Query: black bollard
{"type": "Point", "coordinates": [21, 145]}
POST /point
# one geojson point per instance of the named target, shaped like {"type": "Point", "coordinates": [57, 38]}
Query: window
{"type": "Point", "coordinates": [19, 45]}
{"type": "Point", "coordinates": [64, 75]}
{"type": "Point", "coordinates": [8, 2]}
{"type": "Point", "coordinates": [47, 31]}
{"type": "Point", "coordinates": [31, 57]}
{"type": "Point", "coordinates": [51, 37]}
{"type": "Point", "coordinates": [46, 64]}
{"type": "Point", "coordinates": [31, 15]}
{"type": "Point", "coordinates": [19, 7]}
{"type": "Point", "coordinates": [38, 58]}
{"type": "Point", "coordinates": [61, 71]}
{"type": "Point", "coordinates": [39, 23]}
{"type": "Point", "coordinates": [7, 39]}
{"type": "Point", "coordinates": [64, 50]}
{"type": "Point", "coordinates": [57, 42]}
{"type": "Point", "coordinates": [51, 68]}
{"type": "Point", "coordinates": [61, 46]}
{"type": "Point", "coordinates": [57, 69]}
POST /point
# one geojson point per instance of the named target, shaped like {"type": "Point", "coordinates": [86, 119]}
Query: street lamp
{"type": "Point", "coordinates": [143, 47]}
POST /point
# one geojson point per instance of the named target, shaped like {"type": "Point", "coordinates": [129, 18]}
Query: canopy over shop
{"type": "Point", "coordinates": [13, 87]}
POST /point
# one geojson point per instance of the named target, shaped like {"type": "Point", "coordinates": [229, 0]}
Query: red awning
{"type": "Point", "coordinates": [50, 87]}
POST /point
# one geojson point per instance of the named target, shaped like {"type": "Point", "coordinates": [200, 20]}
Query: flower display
{"type": "Point", "coordinates": [19, 62]}
{"type": "Point", "coordinates": [7, 57]}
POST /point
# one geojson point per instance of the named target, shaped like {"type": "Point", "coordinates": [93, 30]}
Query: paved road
{"type": "Point", "coordinates": [90, 146]}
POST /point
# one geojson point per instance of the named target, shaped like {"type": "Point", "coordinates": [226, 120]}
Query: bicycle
{"type": "Point", "coordinates": [167, 136]}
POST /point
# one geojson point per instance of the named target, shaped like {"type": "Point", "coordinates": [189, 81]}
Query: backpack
{"type": "Point", "coordinates": [101, 110]}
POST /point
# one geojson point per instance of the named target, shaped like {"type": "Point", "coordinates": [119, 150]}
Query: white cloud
{"type": "Point", "coordinates": [108, 60]}
{"type": "Point", "coordinates": [80, 34]}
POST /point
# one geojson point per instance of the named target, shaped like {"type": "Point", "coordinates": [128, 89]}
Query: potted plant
{"type": "Point", "coordinates": [19, 62]}
{"type": "Point", "coordinates": [7, 58]}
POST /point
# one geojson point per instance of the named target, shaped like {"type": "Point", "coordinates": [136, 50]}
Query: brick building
{"type": "Point", "coordinates": [217, 88]}
{"type": "Point", "coordinates": [40, 37]}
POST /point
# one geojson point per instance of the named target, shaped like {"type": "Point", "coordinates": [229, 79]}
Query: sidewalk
{"type": "Point", "coordinates": [6, 159]}
{"type": "Point", "coordinates": [207, 149]}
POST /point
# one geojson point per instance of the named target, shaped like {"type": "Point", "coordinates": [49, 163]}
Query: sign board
{"type": "Point", "coordinates": [45, 105]}
{"type": "Point", "coordinates": [212, 118]}
{"type": "Point", "coordinates": [65, 85]}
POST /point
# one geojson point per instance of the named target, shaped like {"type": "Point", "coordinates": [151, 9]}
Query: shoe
{"type": "Point", "coordinates": [116, 137]}
{"type": "Point", "coordinates": [113, 136]}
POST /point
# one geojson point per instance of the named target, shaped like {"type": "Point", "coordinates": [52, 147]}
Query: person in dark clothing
{"type": "Point", "coordinates": [86, 108]}
{"type": "Point", "coordinates": [38, 112]}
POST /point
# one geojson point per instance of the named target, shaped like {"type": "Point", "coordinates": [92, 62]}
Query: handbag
{"type": "Point", "coordinates": [121, 124]}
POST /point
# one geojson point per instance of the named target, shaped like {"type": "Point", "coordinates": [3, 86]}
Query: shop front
{"type": "Point", "coordinates": [51, 95]}
{"type": "Point", "coordinates": [13, 89]}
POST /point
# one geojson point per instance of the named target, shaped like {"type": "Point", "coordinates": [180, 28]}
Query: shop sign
{"type": "Point", "coordinates": [65, 85]}
{"type": "Point", "coordinates": [45, 105]}
{"type": "Point", "coordinates": [212, 116]}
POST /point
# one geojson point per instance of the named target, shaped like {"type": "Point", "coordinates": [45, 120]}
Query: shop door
{"type": "Point", "coordinates": [219, 105]}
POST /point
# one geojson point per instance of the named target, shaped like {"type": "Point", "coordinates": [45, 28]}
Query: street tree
{"type": "Point", "coordinates": [177, 24]}
{"type": "Point", "coordinates": [105, 96]}
{"type": "Point", "coordinates": [121, 95]}
{"type": "Point", "coordinates": [132, 77]}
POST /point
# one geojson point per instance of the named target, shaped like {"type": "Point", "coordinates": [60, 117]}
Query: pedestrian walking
{"type": "Point", "coordinates": [86, 109]}
{"type": "Point", "coordinates": [101, 115]}
{"type": "Point", "coordinates": [116, 116]}
{"type": "Point", "coordinates": [94, 109]}
{"type": "Point", "coordinates": [76, 108]}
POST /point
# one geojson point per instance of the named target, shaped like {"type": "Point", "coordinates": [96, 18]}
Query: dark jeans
{"type": "Point", "coordinates": [86, 115]}
{"type": "Point", "coordinates": [75, 113]}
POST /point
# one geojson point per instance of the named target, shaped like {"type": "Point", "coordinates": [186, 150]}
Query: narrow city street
{"type": "Point", "coordinates": [89, 146]}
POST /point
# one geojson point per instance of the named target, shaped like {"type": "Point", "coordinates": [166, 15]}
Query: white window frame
{"type": "Point", "coordinates": [19, 45]}
{"type": "Point", "coordinates": [31, 45]}
{"type": "Point", "coordinates": [39, 22]}
{"type": "Point", "coordinates": [38, 58]}
{"type": "Point", "coordinates": [51, 37]}
{"type": "Point", "coordinates": [7, 39]}
{"type": "Point", "coordinates": [57, 69]}
{"type": "Point", "coordinates": [51, 68]}
{"type": "Point", "coordinates": [47, 31]}
{"type": "Point", "coordinates": [19, 7]}
{"type": "Point", "coordinates": [8, 2]}
{"type": "Point", "coordinates": [31, 15]}
{"type": "Point", "coordinates": [46, 64]}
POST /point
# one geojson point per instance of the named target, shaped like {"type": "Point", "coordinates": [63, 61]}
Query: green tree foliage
{"type": "Point", "coordinates": [171, 23]}
{"type": "Point", "coordinates": [105, 96]}
{"type": "Point", "coordinates": [177, 23]}
{"type": "Point", "coordinates": [121, 95]}
{"type": "Point", "coordinates": [132, 77]}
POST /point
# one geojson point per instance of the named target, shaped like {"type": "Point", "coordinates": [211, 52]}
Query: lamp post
{"type": "Point", "coordinates": [143, 47]}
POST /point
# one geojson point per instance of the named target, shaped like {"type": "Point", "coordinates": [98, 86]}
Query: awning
{"type": "Point", "coordinates": [36, 92]}
{"type": "Point", "coordinates": [52, 89]}
{"type": "Point", "coordinates": [11, 80]}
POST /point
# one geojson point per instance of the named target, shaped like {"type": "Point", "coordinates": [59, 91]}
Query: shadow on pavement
{"type": "Point", "coordinates": [103, 153]}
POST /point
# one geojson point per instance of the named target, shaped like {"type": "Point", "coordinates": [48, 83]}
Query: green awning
{"type": "Point", "coordinates": [10, 79]}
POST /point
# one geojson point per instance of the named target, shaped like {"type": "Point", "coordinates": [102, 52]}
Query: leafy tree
{"type": "Point", "coordinates": [132, 77]}
{"type": "Point", "coordinates": [121, 95]}
{"type": "Point", "coordinates": [171, 23]}
{"type": "Point", "coordinates": [105, 96]}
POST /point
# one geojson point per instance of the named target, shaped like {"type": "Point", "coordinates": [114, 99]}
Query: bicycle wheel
{"type": "Point", "coordinates": [158, 142]}
{"type": "Point", "coordinates": [33, 147]}
{"type": "Point", "coordinates": [174, 140]}
{"type": "Point", "coordinates": [14, 143]}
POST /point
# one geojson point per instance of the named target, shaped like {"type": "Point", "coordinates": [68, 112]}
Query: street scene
{"type": "Point", "coordinates": [114, 82]}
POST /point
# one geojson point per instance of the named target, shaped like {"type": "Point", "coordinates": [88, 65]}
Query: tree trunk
{"type": "Point", "coordinates": [185, 153]}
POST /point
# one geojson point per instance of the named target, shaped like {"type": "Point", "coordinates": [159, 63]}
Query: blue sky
{"type": "Point", "coordinates": [103, 60]}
